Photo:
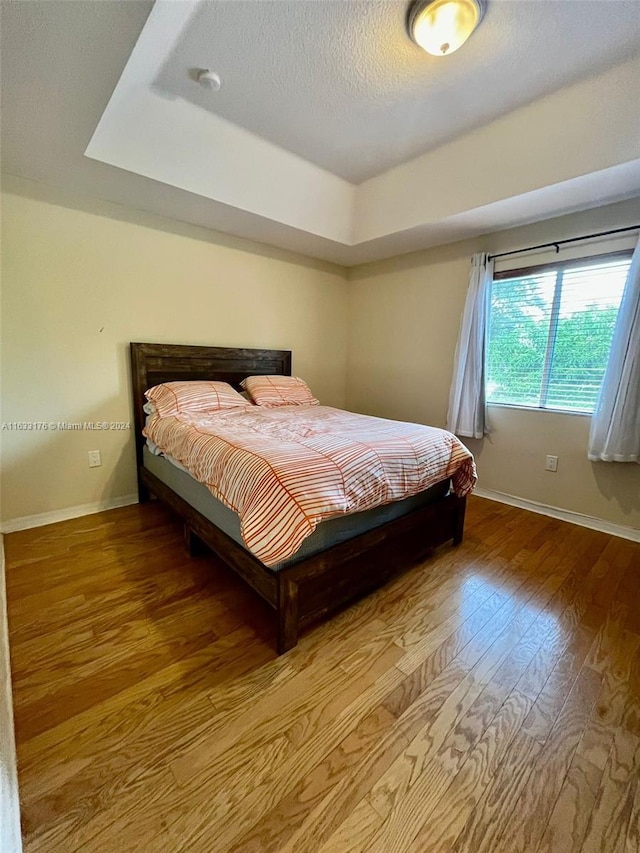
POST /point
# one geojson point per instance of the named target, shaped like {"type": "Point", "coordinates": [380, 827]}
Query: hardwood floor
{"type": "Point", "coordinates": [487, 701]}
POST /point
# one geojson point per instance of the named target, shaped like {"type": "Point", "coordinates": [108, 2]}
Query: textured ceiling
{"type": "Point", "coordinates": [84, 111]}
{"type": "Point", "coordinates": [341, 85]}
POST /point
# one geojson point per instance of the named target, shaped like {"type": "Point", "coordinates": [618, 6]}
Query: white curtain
{"type": "Point", "coordinates": [615, 427]}
{"type": "Point", "coordinates": [466, 415]}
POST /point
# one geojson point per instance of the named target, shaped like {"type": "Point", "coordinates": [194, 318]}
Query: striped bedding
{"type": "Point", "coordinates": [284, 470]}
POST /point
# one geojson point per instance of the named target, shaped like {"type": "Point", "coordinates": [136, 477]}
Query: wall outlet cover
{"type": "Point", "coordinates": [551, 464]}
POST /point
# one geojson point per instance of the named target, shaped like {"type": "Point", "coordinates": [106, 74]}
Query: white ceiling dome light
{"type": "Point", "coordinates": [442, 26]}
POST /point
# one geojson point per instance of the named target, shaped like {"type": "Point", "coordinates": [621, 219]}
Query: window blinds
{"type": "Point", "coordinates": [550, 334]}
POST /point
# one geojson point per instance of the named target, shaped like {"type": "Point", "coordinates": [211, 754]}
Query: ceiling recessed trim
{"type": "Point", "coordinates": [155, 150]}
{"type": "Point", "coordinates": [531, 149]}
{"type": "Point", "coordinates": [171, 140]}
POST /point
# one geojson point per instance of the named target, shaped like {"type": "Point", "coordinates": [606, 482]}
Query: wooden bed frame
{"type": "Point", "coordinates": [317, 585]}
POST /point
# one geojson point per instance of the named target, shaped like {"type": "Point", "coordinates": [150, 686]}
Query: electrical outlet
{"type": "Point", "coordinates": [551, 464]}
{"type": "Point", "coordinates": [94, 459]}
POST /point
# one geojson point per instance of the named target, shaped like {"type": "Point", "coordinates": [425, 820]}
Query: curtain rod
{"type": "Point", "coordinates": [558, 243]}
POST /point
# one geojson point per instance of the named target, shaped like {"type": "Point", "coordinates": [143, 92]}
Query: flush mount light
{"type": "Point", "coordinates": [442, 26]}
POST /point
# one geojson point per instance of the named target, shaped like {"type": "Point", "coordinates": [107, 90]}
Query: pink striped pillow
{"type": "Point", "coordinates": [174, 398]}
{"type": "Point", "coordinates": [273, 391]}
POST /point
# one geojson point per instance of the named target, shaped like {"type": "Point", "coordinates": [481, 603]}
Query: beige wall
{"type": "Point", "coordinates": [79, 284]}
{"type": "Point", "coordinates": [404, 319]}
{"type": "Point", "coordinates": [81, 279]}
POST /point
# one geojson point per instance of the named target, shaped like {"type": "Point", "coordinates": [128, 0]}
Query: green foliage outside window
{"type": "Point", "coordinates": [546, 354]}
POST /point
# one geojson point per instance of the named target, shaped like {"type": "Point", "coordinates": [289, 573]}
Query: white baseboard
{"type": "Point", "coordinates": [562, 514]}
{"type": "Point", "coordinates": [28, 521]}
{"type": "Point", "coordinates": [9, 799]}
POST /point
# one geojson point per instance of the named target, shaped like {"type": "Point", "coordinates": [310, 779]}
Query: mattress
{"type": "Point", "coordinates": [331, 532]}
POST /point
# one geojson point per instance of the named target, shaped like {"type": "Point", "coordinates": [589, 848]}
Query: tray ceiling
{"type": "Point", "coordinates": [341, 85]}
{"type": "Point", "coordinates": [332, 134]}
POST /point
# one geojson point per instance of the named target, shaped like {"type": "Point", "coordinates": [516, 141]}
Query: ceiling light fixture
{"type": "Point", "coordinates": [442, 26]}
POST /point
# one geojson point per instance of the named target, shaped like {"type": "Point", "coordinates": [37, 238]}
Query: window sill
{"type": "Point", "coordinates": [539, 409]}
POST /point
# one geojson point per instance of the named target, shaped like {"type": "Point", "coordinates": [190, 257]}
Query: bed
{"type": "Point", "coordinates": [326, 575]}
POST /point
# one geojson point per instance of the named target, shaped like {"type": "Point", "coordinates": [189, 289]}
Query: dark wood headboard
{"type": "Point", "coordinates": [152, 364]}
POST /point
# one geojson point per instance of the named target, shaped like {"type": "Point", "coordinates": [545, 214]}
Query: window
{"type": "Point", "coordinates": [550, 330]}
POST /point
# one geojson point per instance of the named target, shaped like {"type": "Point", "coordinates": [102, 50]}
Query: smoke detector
{"type": "Point", "coordinates": [209, 80]}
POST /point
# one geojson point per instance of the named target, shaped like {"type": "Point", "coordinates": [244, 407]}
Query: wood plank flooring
{"type": "Point", "coordinates": [485, 701]}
